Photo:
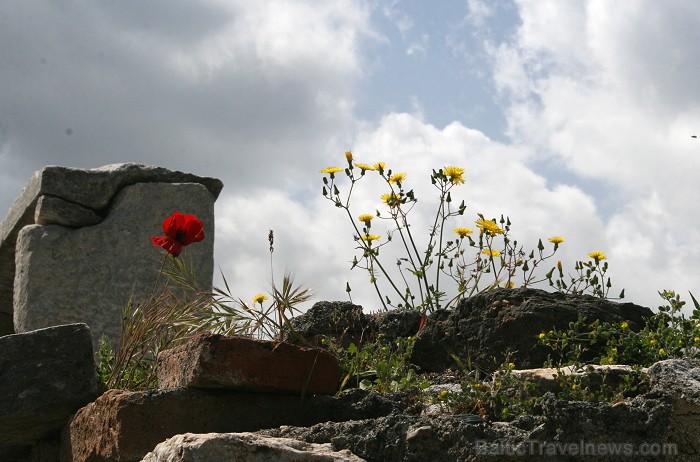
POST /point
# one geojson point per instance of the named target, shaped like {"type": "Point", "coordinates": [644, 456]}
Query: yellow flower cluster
{"type": "Point", "coordinates": [462, 232]}
{"type": "Point", "coordinates": [455, 174]}
{"type": "Point", "coordinates": [489, 226]}
{"type": "Point", "coordinates": [260, 298]}
{"type": "Point", "coordinates": [597, 255]}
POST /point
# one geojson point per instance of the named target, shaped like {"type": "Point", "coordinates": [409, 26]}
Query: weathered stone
{"type": "Point", "coordinates": [52, 210]}
{"type": "Point", "coordinates": [341, 320]}
{"type": "Point", "coordinates": [45, 376]}
{"type": "Point", "coordinates": [244, 447]}
{"type": "Point", "coordinates": [681, 380]}
{"type": "Point", "coordinates": [548, 379]}
{"type": "Point", "coordinates": [557, 434]}
{"type": "Point", "coordinates": [93, 189]}
{"type": "Point", "coordinates": [89, 274]}
{"type": "Point", "coordinates": [484, 328]}
{"type": "Point", "coordinates": [215, 361]}
{"type": "Point", "coordinates": [125, 426]}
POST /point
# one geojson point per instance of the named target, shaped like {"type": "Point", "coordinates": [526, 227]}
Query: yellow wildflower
{"type": "Point", "coordinates": [491, 253]}
{"type": "Point", "coordinates": [653, 342]}
{"type": "Point", "coordinates": [381, 166]}
{"type": "Point", "coordinates": [489, 226]}
{"type": "Point", "coordinates": [397, 178]}
{"type": "Point", "coordinates": [348, 155]}
{"type": "Point", "coordinates": [597, 255]}
{"type": "Point", "coordinates": [365, 217]}
{"type": "Point", "coordinates": [260, 298]}
{"type": "Point", "coordinates": [624, 325]}
{"type": "Point", "coordinates": [391, 199]}
{"type": "Point", "coordinates": [365, 167]}
{"type": "Point", "coordinates": [556, 239]}
{"type": "Point", "coordinates": [662, 352]}
{"type": "Point", "coordinates": [542, 335]}
{"type": "Point", "coordinates": [462, 231]}
{"type": "Point", "coordinates": [455, 174]}
{"type": "Point", "coordinates": [696, 339]}
{"type": "Point", "coordinates": [370, 237]}
{"type": "Point", "coordinates": [331, 170]}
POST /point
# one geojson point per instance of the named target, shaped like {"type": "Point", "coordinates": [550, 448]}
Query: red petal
{"type": "Point", "coordinates": [193, 230]}
{"type": "Point", "coordinates": [173, 247]}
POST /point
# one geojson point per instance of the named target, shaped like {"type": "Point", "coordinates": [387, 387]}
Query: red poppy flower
{"type": "Point", "coordinates": [180, 230]}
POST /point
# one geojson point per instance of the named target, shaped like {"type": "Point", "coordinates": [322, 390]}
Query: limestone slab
{"type": "Point", "coordinates": [90, 188]}
{"type": "Point", "coordinates": [88, 274]}
{"type": "Point", "coordinates": [244, 447]}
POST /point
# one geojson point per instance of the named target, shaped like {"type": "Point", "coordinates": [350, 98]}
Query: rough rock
{"type": "Point", "coordinates": [215, 361]}
{"type": "Point", "coordinates": [93, 189]}
{"type": "Point", "coordinates": [124, 426]}
{"type": "Point", "coordinates": [681, 380]}
{"type": "Point", "coordinates": [482, 329]}
{"type": "Point", "coordinates": [344, 321]}
{"type": "Point", "coordinates": [556, 435]}
{"type": "Point", "coordinates": [244, 447]}
{"type": "Point", "coordinates": [45, 376]}
{"type": "Point", "coordinates": [89, 274]}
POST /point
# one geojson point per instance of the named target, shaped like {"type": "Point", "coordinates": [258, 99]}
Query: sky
{"type": "Point", "coordinates": [573, 118]}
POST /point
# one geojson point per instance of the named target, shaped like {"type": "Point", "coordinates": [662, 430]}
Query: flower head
{"type": "Point", "coordinates": [597, 255]}
{"type": "Point", "coordinates": [331, 170]}
{"type": "Point", "coordinates": [370, 237]}
{"type": "Point", "coordinates": [491, 253]}
{"type": "Point", "coordinates": [391, 199]}
{"type": "Point", "coordinates": [397, 178]}
{"type": "Point", "coordinates": [180, 230]}
{"type": "Point", "coordinates": [365, 217]}
{"type": "Point", "coordinates": [624, 325]}
{"type": "Point", "coordinates": [455, 174]}
{"type": "Point", "coordinates": [489, 226]}
{"type": "Point", "coordinates": [365, 167]}
{"type": "Point", "coordinates": [462, 232]}
{"type": "Point", "coordinates": [381, 166]}
{"type": "Point", "coordinates": [556, 239]}
{"type": "Point", "coordinates": [348, 155]}
{"type": "Point", "coordinates": [260, 298]}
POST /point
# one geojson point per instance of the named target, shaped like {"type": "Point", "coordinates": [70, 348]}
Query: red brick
{"type": "Point", "coordinates": [241, 363]}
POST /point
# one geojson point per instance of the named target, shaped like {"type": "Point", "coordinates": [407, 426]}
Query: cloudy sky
{"type": "Point", "coordinates": [573, 118]}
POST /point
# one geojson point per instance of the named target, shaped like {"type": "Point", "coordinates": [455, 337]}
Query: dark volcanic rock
{"type": "Point", "coordinates": [342, 320]}
{"type": "Point", "coordinates": [482, 329]}
{"type": "Point", "coordinates": [557, 435]}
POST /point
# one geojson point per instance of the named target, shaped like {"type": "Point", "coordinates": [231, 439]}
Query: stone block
{"type": "Point", "coordinates": [88, 274]}
{"type": "Point", "coordinates": [124, 426]}
{"type": "Point", "coordinates": [54, 210]}
{"type": "Point", "coordinates": [216, 361]}
{"type": "Point", "coordinates": [92, 189]}
{"type": "Point", "coordinates": [244, 447]}
{"type": "Point", "coordinates": [45, 376]}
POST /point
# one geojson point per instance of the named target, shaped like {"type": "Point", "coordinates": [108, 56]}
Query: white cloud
{"type": "Point", "coordinates": [602, 89]}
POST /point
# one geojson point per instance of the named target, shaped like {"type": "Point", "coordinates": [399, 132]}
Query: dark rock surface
{"type": "Point", "coordinates": [445, 438]}
{"type": "Point", "coordinates": [45, 376]}
{"type": "Point", "coordinates": [484, 328]}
